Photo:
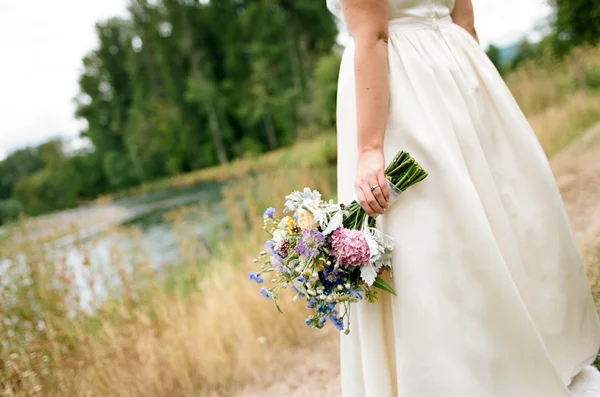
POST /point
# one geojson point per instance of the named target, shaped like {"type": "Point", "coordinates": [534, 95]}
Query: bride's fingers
{"type": "Point", "coordinates": [378, 194]}
{"type": "Point", "coordinates": [383, 184]}
{"type": "Point", "coordinates": [371, 200]}
{"type": "Point", "coordinates": [362, 200]}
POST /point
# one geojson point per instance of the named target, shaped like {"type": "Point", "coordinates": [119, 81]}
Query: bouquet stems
{"type": "Point", "coordinates": [402, 173]}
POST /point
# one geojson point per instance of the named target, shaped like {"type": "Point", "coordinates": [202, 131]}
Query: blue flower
{"type": "Point", "coordinates": [327, 309]}
{"type": "Point", "coordinates": [255, 277]}
{"type": "Point", "coordinates": [269, 212]}
{"type": "Point", "coordinates": [311, 303]}
{"type": "Point", "coordinates": [322, 321]}
{"type": "Point", "coordinates": [337, 322]}
{"type": "Point", "coordinates": [356, 294]}
{"type": "Point", "coordinates": [270, 246]}
{"type": "Point", "coordinates": [264, 292]}
{"type": "Point", "coordinates": [300, 279]}
{"type": "Point", "coordinates": [300, 294]}
{"type": "Point", "coordinates": [308, 321]}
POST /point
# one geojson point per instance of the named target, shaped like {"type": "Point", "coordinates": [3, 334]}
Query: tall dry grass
{"type": "Point", "coordinates": [202, 329]}
{"type": "Point", "coordinates": [209, 335]}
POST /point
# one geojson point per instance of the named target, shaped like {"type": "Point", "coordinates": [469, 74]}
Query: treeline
{"type": "Point", "coordinates": [181, 85]}
{"type": "Point", "coordinates": [574, 23]}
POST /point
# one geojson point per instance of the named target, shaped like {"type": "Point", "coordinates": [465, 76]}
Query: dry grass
{"type": "Point", "coordinates": [208, 332]}
{"type": "Point", "coordinates": [561, 124]}
{"type": "Point", "coordinates": [548, 82]}
{"type": "Point", "coordinates": [154, 341]}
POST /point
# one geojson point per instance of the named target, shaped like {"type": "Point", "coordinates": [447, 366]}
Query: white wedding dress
{"type": "Point", "coordinates": [493, 300]}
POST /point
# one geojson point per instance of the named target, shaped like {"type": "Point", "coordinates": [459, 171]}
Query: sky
{"type": "Point", "coordinates": [42, 43]}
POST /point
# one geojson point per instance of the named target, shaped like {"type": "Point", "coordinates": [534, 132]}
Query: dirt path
{"type": "Point", "coordinates": [577, 170]}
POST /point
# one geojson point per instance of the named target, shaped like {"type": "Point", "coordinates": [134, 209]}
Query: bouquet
{"type": "Point", "coordinates": [331, 255]}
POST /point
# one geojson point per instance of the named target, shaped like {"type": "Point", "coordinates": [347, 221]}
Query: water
{"type": "Point", "coordinates": [94, 249]}
{"type": "Point", "coordinates": [148, 214]}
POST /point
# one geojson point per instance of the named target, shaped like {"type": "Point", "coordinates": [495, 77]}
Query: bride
{"type": "Point", "coordinates": [492, 300]}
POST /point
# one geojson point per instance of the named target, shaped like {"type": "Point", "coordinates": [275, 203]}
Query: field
{"type": "Point", "coordinates": [201, 329]}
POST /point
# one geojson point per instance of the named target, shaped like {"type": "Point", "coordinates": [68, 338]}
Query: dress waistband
{"type": "Point", "coordinates": [408, 23]}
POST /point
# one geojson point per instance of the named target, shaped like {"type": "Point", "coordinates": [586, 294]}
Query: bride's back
{"type": "Point", "coordinates": [409, 8]}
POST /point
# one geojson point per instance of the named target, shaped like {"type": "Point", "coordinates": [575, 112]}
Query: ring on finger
{"type": "Point", "coordinates": [374, 187]}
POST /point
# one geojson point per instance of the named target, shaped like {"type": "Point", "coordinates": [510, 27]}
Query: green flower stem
{"type": "Point", "coordinates": [402, 172]}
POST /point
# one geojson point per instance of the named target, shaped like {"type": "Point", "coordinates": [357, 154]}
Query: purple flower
{"type": "Point", "coordinates": [330, 278]}
{"type": "Point", "coordinates": [278, 264]}
{"type": "Point", "coordinates": [255, 277]}
{"type": "Point", "coordinates": [310, 242]}
{"type": "Point", "coordinates": [269, 212]}
{"type": "Point", "coordinates": [349, 248]}
{"type": "Point", "coordinates": [265, 292]}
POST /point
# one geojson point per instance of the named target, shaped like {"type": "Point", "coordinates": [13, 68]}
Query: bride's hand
{"type": "Point", "coordinates": [370, 174]}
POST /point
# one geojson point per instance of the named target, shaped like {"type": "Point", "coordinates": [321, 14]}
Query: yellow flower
{"type": "Point", "coordinates": [306, 219]}
{"type": "Point", "coordinates": [290, 223]}
{"type": "Point", "coordinates": [287, 223]}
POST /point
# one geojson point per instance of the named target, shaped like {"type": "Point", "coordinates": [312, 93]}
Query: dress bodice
{"type": "Point", "coordinates": [408, 8]}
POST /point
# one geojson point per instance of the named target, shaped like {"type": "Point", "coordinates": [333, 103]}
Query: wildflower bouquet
{"type": "Point", "coordinates": [329, 254]}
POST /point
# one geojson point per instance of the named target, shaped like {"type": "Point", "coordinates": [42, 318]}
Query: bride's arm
{"type": "Point", "coordinates": [367, 22]}
{"type": "Point", "coordinates": [464, 17]}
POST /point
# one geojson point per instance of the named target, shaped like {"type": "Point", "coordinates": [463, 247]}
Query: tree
{"type": "Point", "coordinates": [18, 165]}
{"type": "Point", "coordinates": [495, 56]}
{"type": "Point", "coordinates": [325, 93]}
{"type": "Point", "coordinates": [576, 22]}
{"type": "Point", "coordinates": [56, 186]}
{"type": "Point", "coordinates": [525, 51]}
{"type": "Point", "coordinates": [10, 209]}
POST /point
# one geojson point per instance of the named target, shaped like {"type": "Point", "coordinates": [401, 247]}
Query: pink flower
{"type": "Point", "coordinates": [349, 248]}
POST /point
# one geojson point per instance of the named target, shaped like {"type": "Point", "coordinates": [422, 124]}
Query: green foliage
{"type": "Point", "coordinates": [10, 209]}
{"type": "Point", "coordinates": [525, 51]}
{"type": "Point", "coordinates": [495, 56]}
{"type": "Point", "coordinates": [576, 22]}
{"type": "Point", "coordinates": [325, 92]}
{"type": "Point", "coordinates": [169, 90]}
{"type": "Point", "coordinates": [17, 165]}
{"type": "Point", "coordinates": [56, 186]}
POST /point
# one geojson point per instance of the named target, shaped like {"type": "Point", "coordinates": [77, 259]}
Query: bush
{"type": "Point", "coordinates": [9, 210]}
{"type": "Point", "coordinates": [53, 188]}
